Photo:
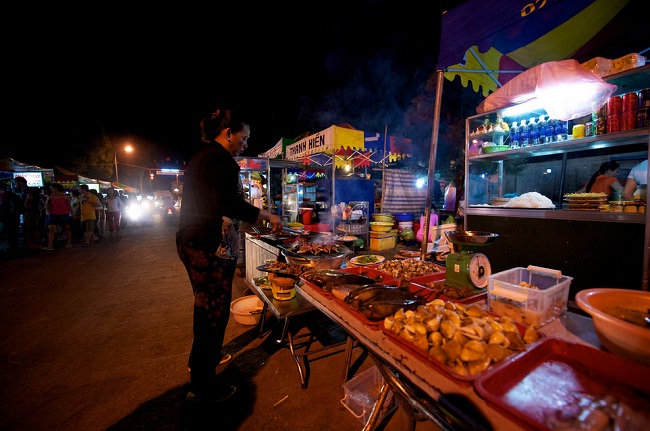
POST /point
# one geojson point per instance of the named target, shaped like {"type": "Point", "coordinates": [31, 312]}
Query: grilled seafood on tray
{"type": "Point", "coordinates": [377, 301]}
{"type": "Point", "coordinates": [317, 248]}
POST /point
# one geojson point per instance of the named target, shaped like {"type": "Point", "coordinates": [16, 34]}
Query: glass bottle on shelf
{"type": "Point", "coordinates": [514, 135]}
{"type": "Point", "coordinates": [562, 130]}
{"type": "Point", "coordinates": [551, 128]}
{"type": "Point", "coordinates": [541, 126]}
{"type": "Point", "coordinates": [533, 132]}
{"type": "Point", "coordinates": [524, 134]}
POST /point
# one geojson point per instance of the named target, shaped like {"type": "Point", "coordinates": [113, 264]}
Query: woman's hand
{"type": "Point", "coordinates": [276, 222]}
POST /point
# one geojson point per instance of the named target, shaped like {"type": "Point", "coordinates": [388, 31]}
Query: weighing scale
{"type": "Point", "coordinates": [468, 268]}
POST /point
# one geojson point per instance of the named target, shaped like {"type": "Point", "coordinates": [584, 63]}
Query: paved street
{"type": "Point", "coordinates": [97, 338]}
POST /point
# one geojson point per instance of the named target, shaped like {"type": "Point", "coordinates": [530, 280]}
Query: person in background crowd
{"type": "Point", "coordinates": [60, 209]}
{"type": "Point", "coordinates": [604, 180]}
{"type": "Point", "coordinates": [638, 176]}
{"type": "Point", "coordinates": [125, 206]}
{"type": "Point", "coordinates": [11, 206]}
{"type": "Point", "coordinates": [208, 246]}
{"type": "Point", "coordinates": [89, 206]}
{"type": "Point", "coordinates": [113, 212]}
{"type": "Point", "coordinates": [44, 210]}
{"type": "Point", "coordinates": [100, 215]}
{"type": "Point", "coordinates": [75, 222]}
{"type": "Point", "coordinates": [31, 218]}
{"type": "Point", "coordinates": [21, 188]}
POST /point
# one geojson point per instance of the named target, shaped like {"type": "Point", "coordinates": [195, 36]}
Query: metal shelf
{"type": "Point", "coordinates": [608, 140]}
{"type": "Point", "coordinates": [552, 214]}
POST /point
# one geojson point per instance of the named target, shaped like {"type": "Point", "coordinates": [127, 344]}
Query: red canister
{"type": "Point", "coordinates": [613, 123]}
{"type": "Point", "coordinates": [629, 101]}
{"type": "Point", "coordinates": [614, 105]}
{"type": "Point", "coordinates": [628, 120]}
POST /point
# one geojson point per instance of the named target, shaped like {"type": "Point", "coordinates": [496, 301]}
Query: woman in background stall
{"type": "Point", "coordinates": [604, 180]}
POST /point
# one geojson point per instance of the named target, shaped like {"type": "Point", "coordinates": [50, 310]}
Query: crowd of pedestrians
{"type": "Point", "coordinates": [51, 217]}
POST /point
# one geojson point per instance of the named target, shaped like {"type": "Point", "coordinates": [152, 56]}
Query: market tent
{"type": "Point", "coordinates": [488, 42]}
{"type": "Point", "coordinates": [72, 178]}
{"type": "Point", "coordinates": [9, 166]}
{"type": "Point", "coordinates": [346, 145]}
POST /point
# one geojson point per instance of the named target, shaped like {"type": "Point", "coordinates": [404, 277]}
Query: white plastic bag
{"type": "Point", "coordinates": [565, 89]}
{"type": "Point", "coordinates": [568, 90]}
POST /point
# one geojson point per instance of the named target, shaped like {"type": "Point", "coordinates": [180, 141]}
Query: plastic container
{"type": "Point", "coordinates": [382, 241]}
{"type": "Point", "coordinates": [361, 393]}
{"type": "Point", "coordinates": [247, 310]}
{"type": "Point", "coordinates": [283, 288]}
{"type": "Point", "coordinates": [538, 305]}
{"type": "Point", "coordinates": [403, 216]}
{"type": "Point", "coordinates": [306, 215]}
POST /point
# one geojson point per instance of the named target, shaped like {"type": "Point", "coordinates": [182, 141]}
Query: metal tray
{"type": "Point", "coordinates": [265, 268]}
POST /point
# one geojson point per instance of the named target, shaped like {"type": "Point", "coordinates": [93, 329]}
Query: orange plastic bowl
{"type": "Point", "coordinates": [617, 335]}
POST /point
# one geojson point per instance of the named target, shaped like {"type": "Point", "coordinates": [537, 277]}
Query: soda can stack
{"type": "Point", "coordinates": [628, 116]}
{"type": "Point", "coordinates": [614, 113]}
{"type": "Point", "coordinates": [643, 108]}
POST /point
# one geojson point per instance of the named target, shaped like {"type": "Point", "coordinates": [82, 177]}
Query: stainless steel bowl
{"type": "Point", "coordinates": [472, 237]}
{"type": "Point", "coordinates": [322, 261]}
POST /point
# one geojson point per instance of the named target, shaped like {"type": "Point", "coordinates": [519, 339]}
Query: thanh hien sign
{"type": "Point", "coordinates": [326, 141]}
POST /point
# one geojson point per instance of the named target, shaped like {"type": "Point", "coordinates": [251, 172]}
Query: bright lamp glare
{"type": "Point", "coordinates": [524, 108]}
{"type": "Point", "coordinates": [419, 183]}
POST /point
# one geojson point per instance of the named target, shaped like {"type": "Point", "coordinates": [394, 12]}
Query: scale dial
{"type": "Point", "coordinates": [479, 269]}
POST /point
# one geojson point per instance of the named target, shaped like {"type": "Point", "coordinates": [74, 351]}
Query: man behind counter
{"type": "Point", "coordinates": [638, 176]}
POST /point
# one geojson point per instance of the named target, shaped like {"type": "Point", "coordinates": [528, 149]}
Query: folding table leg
{"type": "Point", "coordinates": [260, 324]}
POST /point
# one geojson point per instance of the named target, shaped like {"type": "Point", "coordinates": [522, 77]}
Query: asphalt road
{"type": "Point", "coordinates": [97, 338]}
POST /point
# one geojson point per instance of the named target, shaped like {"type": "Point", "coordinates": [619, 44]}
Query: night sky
{"type": "Point", "coordinates": [148, 77]}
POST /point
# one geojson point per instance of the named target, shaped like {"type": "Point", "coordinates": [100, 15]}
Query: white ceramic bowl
{"type": "Point", "coordinates": [617, 335]}
{"type": "Point", "coordinates": [241, 309]}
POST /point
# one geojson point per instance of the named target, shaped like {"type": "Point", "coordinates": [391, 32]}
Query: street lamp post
{"type": "Point", "coordinates": [117, 178]}
{"type": "Point", "coordinates": [128, 149]}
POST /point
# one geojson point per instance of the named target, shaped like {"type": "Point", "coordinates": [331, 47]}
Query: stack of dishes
{"type": "Point", "coordinates": [585, 201]}
{"type": "Point", "coordinates": [383, 217]}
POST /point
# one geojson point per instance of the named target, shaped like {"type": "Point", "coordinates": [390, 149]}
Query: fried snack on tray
{"type": "Point", "coordinates": [287, 268]}
{"type": "Point", "coordinates": [408, 268]}
{"type": "Point", "coordinates": [465, 338]}
{"type": "Point", "coordinates": [452, 292]}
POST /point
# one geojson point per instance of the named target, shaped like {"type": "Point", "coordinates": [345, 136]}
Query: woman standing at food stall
{"type": "Point", "coordinates": [208, 243]}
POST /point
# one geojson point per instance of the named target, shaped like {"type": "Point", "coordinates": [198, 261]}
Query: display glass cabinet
{"type": "Point", "coordinates": [500, 166]}
{"type": "Point", "coordinates": [497, 170]}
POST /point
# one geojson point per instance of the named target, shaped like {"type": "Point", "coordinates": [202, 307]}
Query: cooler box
{"type": "Point", "coordinates": [382, 240]}
{"type": "Point", "coordinates": [361, 393]}
{"type": "Point", "coordinates": [508, 294]}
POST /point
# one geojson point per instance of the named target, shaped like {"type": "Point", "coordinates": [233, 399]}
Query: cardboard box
{"type": "Point", "coordinates": [382, 241]}
{"type": "Point", "coordinates": [507, 295]}
{"type": "Point", "coordinates": [362, 392]}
